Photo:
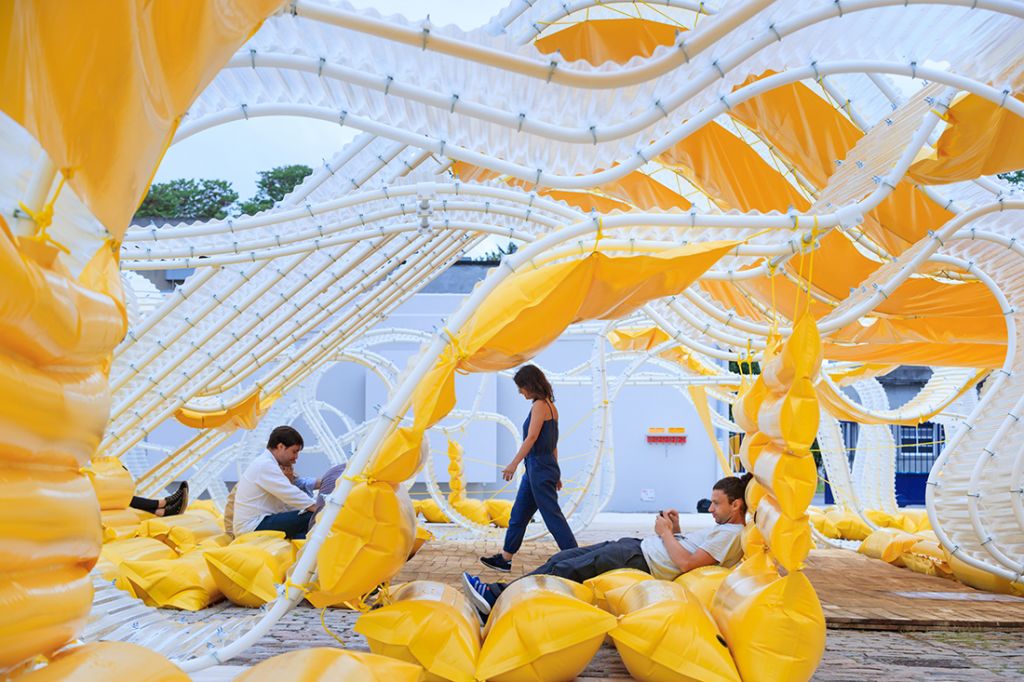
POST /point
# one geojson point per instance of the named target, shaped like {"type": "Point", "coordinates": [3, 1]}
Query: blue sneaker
{"type": "Point", "coordinates": [480, 594]}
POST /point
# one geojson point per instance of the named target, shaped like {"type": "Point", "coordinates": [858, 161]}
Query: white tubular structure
{"type": "Point", "coordinates": [277, 298]}
{"type": "Point", "coordinates": [874, 467]}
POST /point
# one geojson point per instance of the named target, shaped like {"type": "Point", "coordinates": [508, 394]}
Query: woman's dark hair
{"type": "Point", "coordinates": [533, 380]}
{"type": "Point", "coordinates": [286, 436]}
{"type": "Point", "coordinates": [734, 487]}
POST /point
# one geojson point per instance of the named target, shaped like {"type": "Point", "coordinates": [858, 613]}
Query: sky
{"type": "Point", "coordinates": [237, 151]}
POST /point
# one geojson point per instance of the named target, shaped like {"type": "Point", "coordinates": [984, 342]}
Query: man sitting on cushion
{"type": "Point", "coordinates": [666, 555]}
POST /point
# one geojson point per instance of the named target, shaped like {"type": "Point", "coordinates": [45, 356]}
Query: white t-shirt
{"type": "Point", "coordinates": [721, 541]}
{"type": "Point", "coordinates": [264, 490]}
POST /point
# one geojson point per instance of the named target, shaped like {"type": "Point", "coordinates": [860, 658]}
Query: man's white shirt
{"type": "Point", "coordinates": [264, 490]}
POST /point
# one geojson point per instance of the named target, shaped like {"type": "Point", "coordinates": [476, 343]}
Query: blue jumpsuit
{"type": "Point", "coordinates": [538, 491]}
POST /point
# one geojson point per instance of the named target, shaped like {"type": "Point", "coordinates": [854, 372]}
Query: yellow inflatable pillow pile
{"type": "Point", "coordinates": [329, 665]}
{"type": "Point", "coordinates": [665, 635]}
{"type": "Point", "coordinates": [542, 628]}
{"type": "Point", "coordinates": [429, 624]}
{"type": "Point", "coordinates": [249, 570]}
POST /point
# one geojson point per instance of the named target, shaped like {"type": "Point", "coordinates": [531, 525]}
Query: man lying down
{"type": "Point", "coordinates": [665, 555]}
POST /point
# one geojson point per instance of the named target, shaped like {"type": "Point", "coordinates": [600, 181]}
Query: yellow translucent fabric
{"type": "Point", "coordinates": [774, 624]}
{"type": "Point", "coordinates": [524, 314]}
{"type": "Point", "coordinates": [666, 635]}
{"type": "Point", "coordinates": [608, 40]}
{"type": "Point", "coordinates": [108, 661]}
{"type": "Point", "coordinates": [635, 189]}
{"type": "Point", "coordinates": [981, 138]}
{"type": "Point", "coordinates": [731, 173]}
{"type": "Point", "coordinates": [246, 413]}
{"type": "Point", "coordinates": [699, 397]}
{"type": "Point", "coordinates": [429, 624]}
{"type": "Point", "coordinates": [811, 134]}
{"type": "Point", "coordinates": [64, 63]}
{"type": "Point", "coordinates": [648, 338]}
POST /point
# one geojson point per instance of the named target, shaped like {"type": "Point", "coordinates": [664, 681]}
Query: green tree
{"type": "Point", "coordinates": [188, 199]}
{"type": "Point", "coordinates": [273, 186]}
{"type": "Point", "coordinates": [497, 253]}
{"type": "Point", "coordinates": [1014, 177]}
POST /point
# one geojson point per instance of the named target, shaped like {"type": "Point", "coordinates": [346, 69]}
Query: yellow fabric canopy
{"type": "Point", "coordinates": [527, 312]}
{"type": "Point", "coordinates": [608, 40]}
{"type": "Point", "coordinates": [982, 138]}
{"type": "Point", "coordinates": [244, 414]}
{"type": "Point", "coordinates": [103, 85]}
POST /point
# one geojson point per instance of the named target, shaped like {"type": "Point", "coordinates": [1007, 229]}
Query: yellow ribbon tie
{"type": "Point", "coordinates": [323, 622]}
{"type": "Point", "coordinates": [44, 217]}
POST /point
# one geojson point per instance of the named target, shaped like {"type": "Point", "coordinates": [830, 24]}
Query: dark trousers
{"type": "Point", "coordinates": [584, 563]}
{"type": "Point", "coordinates": [538, 490]}
{"type": "Point", "coordinates": [294, 524]}
{"type": "Point", "coordinates": [144, 504]}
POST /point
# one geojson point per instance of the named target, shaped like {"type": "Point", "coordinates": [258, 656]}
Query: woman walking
{"type": "Point", "coordinates": [539, 487]}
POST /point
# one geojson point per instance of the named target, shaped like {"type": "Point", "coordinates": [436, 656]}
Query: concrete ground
{"type": "Point", "coordinates": [978, 655]}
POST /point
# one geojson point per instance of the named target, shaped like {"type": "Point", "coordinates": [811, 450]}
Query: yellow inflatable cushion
{"type": "Point", "coordinates": [422, 537]}
{"type": "Point", "coordinates": [324, 664]}
{"type": "Point", "coordinates": [883, 519]}
{"type": "Point", "coordinates": [751, 447]}
{"type": "Point", "coordinates": [369, 543]}
{"type": "Point", "coordinates": [791, 419]}
{"type": "Point", "coordinates": [753, 494]}
{"type": "Point", "coordinates": [774, 625]}
{"type": "Point", "coordinates": [800, 356]}
{"type": "Point", "coordinates": [182, 532]}
{"type": "Point", "coordinates": [431, 511]}
{"type": "Point", "coordinates": [703, 582]}
{"type": "Point", "coordinates": [888, 544]}
{"type": "Point", "coordinates": [214, 541]}
{"type": "Point", "coordinates": [748, 404]}
{"type": "Point", "coordinates": [665, 635]}
{"type": "Point", "coordinates": [790, 478]}
{"type": "Point", "coordinates": [474, 510]}
{"type": "Point", "coordinates": [132, 549]}
{"type": "Point", "coordinates": [927, 565]}
{"type": "Point", "coordinates": [849, 525]}
{"type": "Point", "coordinates": [788, 540]}
{"type": "Point", "coordinates": [248, 573]}
{"type": "Point", "coordinates": [108, 661]}
{"type": "Point", "coordinates": [614, 581]}
{"type": "Point", "coordinates": [184, 583]}
{"type": "Point", "coordinates": [915, 520]}
{"type": "Point", "coordinates": [427, 623]}
{"type": "Point", "coordinates": [42, 610]}
{"type": "Point", "coordinates": [120, 524]}
{"type": "Point", "coordinates": [823, 525]}
{"type": "Point", "coordinates": [205, 506]}
{"type": "Point", "coordinates": [500, 512]}
{"type": "Point", "coordinates": [982, 580]}
{"type": "Point", "coordinates": [540, 630]}
{"type": "Point", "coordinates": [113, 484]}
